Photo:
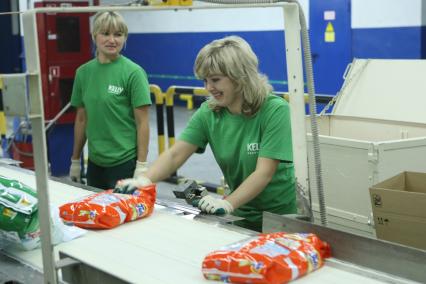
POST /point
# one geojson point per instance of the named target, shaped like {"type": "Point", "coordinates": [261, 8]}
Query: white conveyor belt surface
{"type": "Point", "coordinates": [162, 248]}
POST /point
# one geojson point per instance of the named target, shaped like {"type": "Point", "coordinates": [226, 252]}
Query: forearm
{"type": "Point", "coordinates": [143, 141]}
{"type": "Point", "coordinates": [255, 183]}
{"type": "Point", "coordinates": [162, 168]}
{"type": "Point", "coordinates": [141, 115]}
{"type": "Point", "coordinates": [252, 186]}
{"type": "Point", "coordinates": [79, 139]}
{"type": "Point", "coordinates": [170, 160]}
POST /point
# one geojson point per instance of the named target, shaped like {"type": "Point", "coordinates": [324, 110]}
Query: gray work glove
{"type": "Point", "coordinates": [212, 205]}
{"type": "Point", "coordinates": [129, 185]}
{"type": "Point", "coordinates": [141, 168]}
{"type": "Point", "coordinates": [75, 170]}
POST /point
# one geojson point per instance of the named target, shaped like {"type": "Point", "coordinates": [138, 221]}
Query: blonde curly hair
{"type": "Point", "coordinates": [233, 57]}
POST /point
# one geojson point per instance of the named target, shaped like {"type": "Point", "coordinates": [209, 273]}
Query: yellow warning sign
{"type": "Point", "coordinates": [329, 35]}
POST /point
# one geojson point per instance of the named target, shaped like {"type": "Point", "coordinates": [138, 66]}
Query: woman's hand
{"type": "Point", "coordinates": [212, 205]}
{"type": "Point", "coordinates": [129, 185]}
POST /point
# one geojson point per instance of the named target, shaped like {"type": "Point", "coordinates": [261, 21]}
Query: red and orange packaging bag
{"type": "Point", "coordinates": [106, 210]}
{"type": "Point", "coordinates": [267, 258]}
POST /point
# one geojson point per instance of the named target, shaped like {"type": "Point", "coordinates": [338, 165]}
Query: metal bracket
{"type": "Point", "coordinates": [67, 261]}
{"type": "Point", "coordinates": [304, 202]}
{"type": "Point", "coordinates": [190, 191]}
{"type": "Point", "coordinates": [373, 159]}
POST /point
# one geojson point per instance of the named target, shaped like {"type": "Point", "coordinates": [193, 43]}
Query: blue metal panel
{"type": "Point", "coordinates": [10, 56]}
{"type": "Point", "coordinates": [388, 43]}
{"type": "Point", "coordinates": [60, 140]}
{"type": "Point", "coordinates": [423, 41]}
{"type": "Point", "coordinates": [168, 58]}
{"type": "Point", "coordinates": [330, 58]}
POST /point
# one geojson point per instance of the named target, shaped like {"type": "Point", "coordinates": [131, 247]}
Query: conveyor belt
{"type": "Point", "coordinates": [163, 248]}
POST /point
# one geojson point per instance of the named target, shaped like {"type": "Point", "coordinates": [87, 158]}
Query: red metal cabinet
{"type": "Point", "coordinates": [64, 44]}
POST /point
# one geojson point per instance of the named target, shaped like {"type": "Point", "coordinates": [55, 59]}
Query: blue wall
{"type": "Point", "coordinates": [166, 46]}
{"type": "Point", "coordinates": [172, 55]}
{"type": "Point", "coordinates": [10, 44]}
{"type": "Point", "coordinates": [168, 58]}
{"type": "Point", "coordinates": [388, 43]}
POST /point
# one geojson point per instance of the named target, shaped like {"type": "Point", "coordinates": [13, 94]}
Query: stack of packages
{"type": "Point", "coordinates": [106, 210]}
{"type": "Point", "coordinates": [19, 221]}
{"type": "Point", "coordinates": [19, 224]}
{"type": "Point", "coordinates": [267, 258]}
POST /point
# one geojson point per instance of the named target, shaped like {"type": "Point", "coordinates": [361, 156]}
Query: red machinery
{"type": "Point", "coordinates": [64, 44]}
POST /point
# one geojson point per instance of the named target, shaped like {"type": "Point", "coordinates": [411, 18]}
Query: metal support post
{"type": "Point", "coordinates": [39, 143]}
{"type": "Point", "coordinates": [296, 91]}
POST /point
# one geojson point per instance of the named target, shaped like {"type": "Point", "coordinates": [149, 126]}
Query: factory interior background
{"type": "Point", "coordinates": [382, 138]}
{"type": "Point", "coordinates": [166, 46]}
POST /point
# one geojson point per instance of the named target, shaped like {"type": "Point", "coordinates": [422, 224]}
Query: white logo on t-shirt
{"type": "Point", "coordinates": [115, 90]}
{"type": "Point", "coordinates": [252, 148]}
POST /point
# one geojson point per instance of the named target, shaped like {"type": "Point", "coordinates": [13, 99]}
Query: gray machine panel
{"type": "Point", "coordinates": [15, 94]}
{"type": "Point", "coordinates": [400, 262]}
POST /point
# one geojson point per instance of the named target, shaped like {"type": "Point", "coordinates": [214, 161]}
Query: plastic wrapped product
{"type": "Point", "coordinates": [18, 214]}
{"type": "Point", "coordinates": [267, 258]}
{"type": "Point", "coordinates": [19, 223]}
{"type": "Point", "coordinates": [106, 210]}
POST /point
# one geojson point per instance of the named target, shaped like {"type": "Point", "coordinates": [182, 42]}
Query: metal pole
{"type": "Point", "coordinates": [39, 143]}
{"type": "Point", "coordinates": [53, 121]}
{"type": "Point", "coordinates": [296, 91]}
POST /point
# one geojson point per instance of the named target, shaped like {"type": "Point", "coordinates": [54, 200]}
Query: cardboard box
{"type": "Point", "coordinates": [399, 209]}
{"type": "Point", "coordinates": [364, 141]}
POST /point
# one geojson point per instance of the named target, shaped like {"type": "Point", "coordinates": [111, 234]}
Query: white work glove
{"type": "Point", "coordinates": [75, 170]}
{"type": "Point", "coordinates": [212, 205]}
{"type": "Point", "coordinates": [141, 168]}
{"type": "Point", "coordinates": [129, 185]}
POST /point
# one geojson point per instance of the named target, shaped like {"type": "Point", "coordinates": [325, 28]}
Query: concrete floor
{"type": "Point", "coordinates": [14, 272]}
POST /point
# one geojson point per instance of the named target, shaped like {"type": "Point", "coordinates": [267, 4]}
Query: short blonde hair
{"type": "Point", "coordinates": [107, 22]}
{"type": "Point", "coordinates": [233, 57]}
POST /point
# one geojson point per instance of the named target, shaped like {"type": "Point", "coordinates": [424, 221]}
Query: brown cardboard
{"type": "Point", "coordinates": [399, 209]}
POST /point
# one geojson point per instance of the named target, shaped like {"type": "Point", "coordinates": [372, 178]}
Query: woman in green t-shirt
{"type": "Point", "coordinates": [248, 129]}
{"type": "Point", "coordinates": [111, 96]}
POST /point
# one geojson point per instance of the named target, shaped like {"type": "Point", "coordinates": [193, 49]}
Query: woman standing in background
{"type": "Point", "coordinates": [112, 98]}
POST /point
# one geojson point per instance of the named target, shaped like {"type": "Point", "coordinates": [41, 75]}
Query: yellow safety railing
{"type": "Point", "coordinates": [3, 124]}
{"type": "Point", "coordinates": [170, 2]}
{"type": "Point", "coordinates": [159, 103]}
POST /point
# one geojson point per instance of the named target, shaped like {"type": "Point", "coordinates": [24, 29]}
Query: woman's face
{"type": "Point", "coordinates": [222, 89]}
{"type": "Point", "coordinates": [109, 45]}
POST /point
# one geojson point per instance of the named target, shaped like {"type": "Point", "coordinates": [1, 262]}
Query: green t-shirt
{"type": "Point", "coordinates": [109, 93]}
{"type": "Point", "coordinates": [237, 141]}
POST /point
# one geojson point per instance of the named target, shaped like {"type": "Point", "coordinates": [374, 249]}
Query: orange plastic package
{"type": "Point", "coordinates": [267, 258]}
{"type": "Point", "coordinates": [106, 210]}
